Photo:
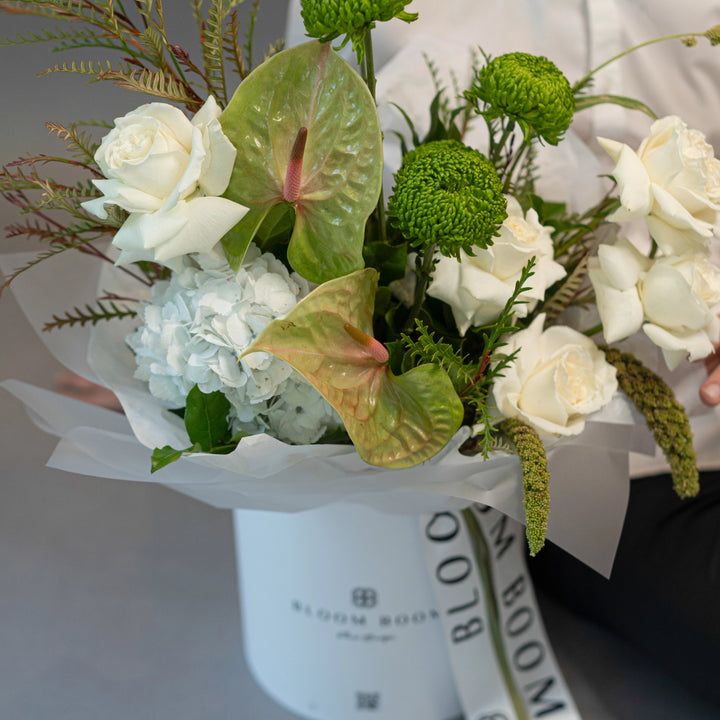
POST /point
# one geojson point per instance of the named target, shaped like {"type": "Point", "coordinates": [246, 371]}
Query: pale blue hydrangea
{"type": "Point", "coordinates": [200, 321]}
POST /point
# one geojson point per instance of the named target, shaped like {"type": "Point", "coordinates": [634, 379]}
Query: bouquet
{"type": "Point", "coordinates": [266, 306]}
{"type": "Point", "coordinates": [275, 292]}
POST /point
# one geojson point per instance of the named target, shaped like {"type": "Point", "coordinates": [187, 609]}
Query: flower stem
{"type": "Point", "coordinates": [496, 151]}
{"type": "Point", "coordinates": [675, 36]}
{"type": "Point", "coordinates": [423, 273]}
{"type": "Point", "coordinates": [513, 166]}
{"type": "Point", "coordinates": [368, 67]}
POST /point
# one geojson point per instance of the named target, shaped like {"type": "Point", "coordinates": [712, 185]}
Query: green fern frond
{"type": "Point", "coordinates": [18, 181]}
{"type": "Point", "coordinates": [78, 143]}
{"type": "Point", "coordinates": [154, 83]}
{"type": "Point", "coordinates": [154, 46]}
{"type": "Point", "coordinates": [213, 47]}
{"type": "Point", "coordinates": [495, 441]}
{"type": "Point", "coordinates": [426, 349]}
{"type": "Point", "coordinates": [43, 231]}
{"type": "Point", "coordinates": [233, 49]}
{"type": "Point", "coordinates": [434, 74]}
{"type": "Point", "coordinates": [144, 8]}
{"type": "Point", "coordinates": [59, 36]}
{"type": "Point", "coordinates": [250, 34]}
{"type": "Point", "coordinates": [55, 9]}
{"type": "Point", "coordinates": [105, 124]}
{"type": "Point", "coordinates": [196, 6]}
{"type": "Point", "coordinates": [101, 13]}
{"type": "Point", "coordinates": [494, 363]}
{"type": "Point", "coordinates": [65, 197]}
{"type": "Point", "coordinates": [274, 48]}
{"type": "Point", "coordinates": [568, 291]}
{"type": "Point", "coordinates": [103, 311]}
{"type": "Point", "coordinates": [90, 67]}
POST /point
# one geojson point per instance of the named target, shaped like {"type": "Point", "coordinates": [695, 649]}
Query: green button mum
{"type": "Point", "coordinates": [528, 89]}
{"type": "Point", "coordinates": [447, 194]}
{"type": "Point", "coordinates": [328, 19]}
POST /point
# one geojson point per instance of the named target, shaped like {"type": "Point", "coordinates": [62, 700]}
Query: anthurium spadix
{"type": "Point", "coordinates": [307, 133]}
{"type": "Point", "coordinates": [394, 421]}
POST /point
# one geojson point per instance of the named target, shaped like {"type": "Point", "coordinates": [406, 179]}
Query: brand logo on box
{"type": "Point", "coordinates": [364, 597]}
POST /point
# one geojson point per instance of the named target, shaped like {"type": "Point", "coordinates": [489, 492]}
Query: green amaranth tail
{"type": "Point", "coordinates": [665, 416]}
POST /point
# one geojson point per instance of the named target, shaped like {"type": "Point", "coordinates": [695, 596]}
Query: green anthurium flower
{"type": "Point", "coordinates": [394, 421]}
{"type": "Point", "coordinates": [307, 133]}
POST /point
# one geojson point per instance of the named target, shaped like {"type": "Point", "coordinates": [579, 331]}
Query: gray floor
{"type": "Point", "coordinates": [119, 600]}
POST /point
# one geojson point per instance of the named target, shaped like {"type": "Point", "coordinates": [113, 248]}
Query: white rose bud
{"type": "Point", "coordinates": [558, 378]}
{"type": "Point", "coordinates": [167, 172]}
{"type": "Point", "coordinates": [673, 182]}
{"type": "Point", "coordinates": [477, 287]}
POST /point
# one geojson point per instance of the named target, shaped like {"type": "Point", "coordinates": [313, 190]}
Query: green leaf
{"type": "Point", "coordinates": [309, 86]}
{"type": "Point", "coordinates": [583, 102]}
{"type": "Point", "coordinates": [389, 260]}
{"type": "Point", "coordinates": [163, 456]}
{"type": "Point", "coordinates": [206, 418]}
{"type": "Point", "coordinates": [236, 241]}
{"type": "Point", "coordinates": [393, 421]}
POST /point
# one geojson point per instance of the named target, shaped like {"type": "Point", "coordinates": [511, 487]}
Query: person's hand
{"type": "Point", "coordinates": [78, 388]}
{"type": "Point", "coordinates": [710, 389]}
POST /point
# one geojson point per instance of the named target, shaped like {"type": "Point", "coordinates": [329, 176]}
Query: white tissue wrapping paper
{"type": "Point", "coordinates": [588, 506]}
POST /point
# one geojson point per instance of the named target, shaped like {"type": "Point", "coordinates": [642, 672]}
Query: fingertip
{"type": "Point", "coordinates": [710, 393]}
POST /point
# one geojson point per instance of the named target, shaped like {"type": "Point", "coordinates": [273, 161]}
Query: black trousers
{"type": "Point", "coordinates": [664, 592]}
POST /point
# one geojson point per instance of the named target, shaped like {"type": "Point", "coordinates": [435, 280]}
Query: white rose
{"type": "Point", "coordinates": [166, 171]}
{"type": "Point", "coordinates": [558, 378]}
{"type": "Point", "coordinates": [673, 182]}
{"type": "Point", "coordinates": [672, 299]}
{"type": "Point", "coordinates": [477, 287]}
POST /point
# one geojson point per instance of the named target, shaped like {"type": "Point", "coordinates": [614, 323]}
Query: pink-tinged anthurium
{"type": "Point", "coordinates": [307, 133]}
{"type": "Point", "coordinates": [394, 421]}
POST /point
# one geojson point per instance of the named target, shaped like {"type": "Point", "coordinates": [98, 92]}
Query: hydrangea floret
{"type": "Point", "coordinates": [328, 19]}
{"type": "Point", "coordinates": [528, 89]}
{"type": "Point", "coordinates": [197, 325]}
{"type": "Point", "coordinates": [447, 194]}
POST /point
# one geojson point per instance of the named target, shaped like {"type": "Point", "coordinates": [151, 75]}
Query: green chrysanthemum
{"type": "Point", "coordinates": [528, 89]}
{"type": "Point", "coordinates": [447, 194]}
{"type": "Point", "coordinates": [328, 19]}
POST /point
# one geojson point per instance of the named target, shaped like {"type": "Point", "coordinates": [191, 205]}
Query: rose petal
{"type": "Point", "coordinates": [220, 160]}
{"type": "Point", "coordinates": [668, 300]}
{"type": "Point", "coordinates": [674, 213]}
{"type": "Point", "coordinates": [187, 183]}
{"type": "Point", "coordinates": [621, 311]}
{"type": "Point", "coordinates": [207, 219]}
{"type": "Point", "coordinates": [662, 159]}
{"type": "Point", "coordinates": [207, 113]}
{"type": "Point", "coordinates": [673, 241]}
{"type": "Point", "coordinates": [117, 193]}
{"type": "Point", "coordinates": [677, 346]}
{"type": "Point", "coordinates": [632, 179]}
{"type": "Point", "coordinates": [539, 396]}
{"type": "Point", "coordinates": [178, 125]}
{"type": "Point", "coordinates": [622, 264]}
